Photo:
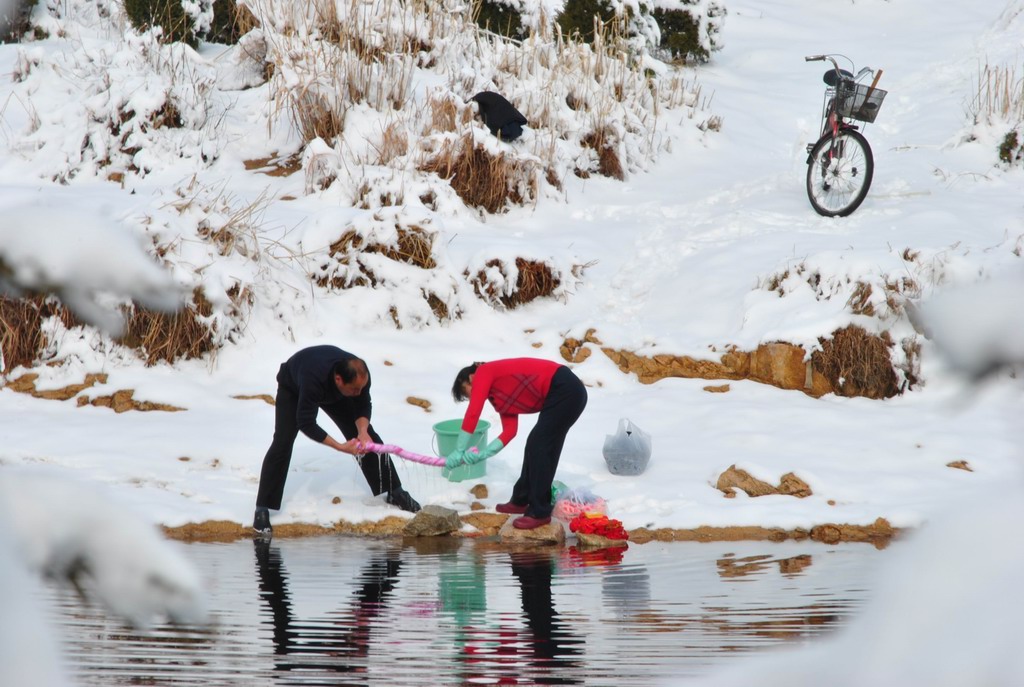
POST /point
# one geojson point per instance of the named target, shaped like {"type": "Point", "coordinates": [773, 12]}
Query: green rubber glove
{"type": "Point", "coordinates": [484, 453]}
{"type": "Point", "coordinates": [459, 455]}
{"type": "Point", "coordinates": [455, 459]}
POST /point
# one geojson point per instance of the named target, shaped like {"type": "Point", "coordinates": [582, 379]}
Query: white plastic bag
{"type": "Point", "coordinates": [628, 451]}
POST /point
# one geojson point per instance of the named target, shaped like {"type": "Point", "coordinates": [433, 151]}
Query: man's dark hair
{"type": "Point", "coordinates": [351, 369]}
{"type": "Point", "coordinates": [457, 393]}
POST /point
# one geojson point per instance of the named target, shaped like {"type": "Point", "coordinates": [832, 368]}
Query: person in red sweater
{"type": "Point", "coordinates": [514, 387]}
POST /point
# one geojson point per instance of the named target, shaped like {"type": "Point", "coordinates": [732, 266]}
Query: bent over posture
{"type": "Point", "coordinates": [514, 387]}
{"type": "Point", "coordinates": [337, 382]}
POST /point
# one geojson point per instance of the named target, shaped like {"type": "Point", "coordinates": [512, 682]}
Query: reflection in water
{"type": "Point", "coordinates": [730, 566]}
{"type": "Point", "coordinates": [512, 654]}
{"type": "Point", "coordinates": [339, 643]}
{"type": "Point", "coordinates": [445, 611]}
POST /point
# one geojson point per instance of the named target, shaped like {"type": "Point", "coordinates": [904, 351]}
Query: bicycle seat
{"type": "Point", "coordinates": [830, 77]}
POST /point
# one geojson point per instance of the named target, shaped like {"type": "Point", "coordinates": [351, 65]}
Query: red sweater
{"type": "Point", "coordinates": [514, 386]}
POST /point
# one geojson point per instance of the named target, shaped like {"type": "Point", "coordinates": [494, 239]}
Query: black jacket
{"type": "Point", "coordinates": [500, 116]}
{"type": "Point", "coordinates": [309, 374]}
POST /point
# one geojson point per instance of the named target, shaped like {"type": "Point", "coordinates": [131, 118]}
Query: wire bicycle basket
{"type": "Point", "coordinates": [858, 101]}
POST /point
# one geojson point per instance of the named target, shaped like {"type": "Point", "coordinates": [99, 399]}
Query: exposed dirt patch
{"type": "Point", "coordinates": [122, 401]}
{"type": "Point", "coordinates": [223, 530]}
{"type": "Point", "coordinates": [734, 478]}
{"type": "Point", "coordinates": [851, 363]}
{"type": "Point", "coordinates": [119, 401]}
{"type": "Point", "coordinates": [275, 166]}
{"type": "Point", "coordinates": [266, 398]}
{"type": "Point", "coordinates": [879, 533]}
{"type": "Point", "coordinates": [575, 350]}
{"type": "Point", "coordinates": [26, 384]}
{"type": "Point", "coordinates": [419, 402]}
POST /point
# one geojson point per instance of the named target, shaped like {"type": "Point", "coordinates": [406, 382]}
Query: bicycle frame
{"type": "Point", "coordinates": [832, 121]}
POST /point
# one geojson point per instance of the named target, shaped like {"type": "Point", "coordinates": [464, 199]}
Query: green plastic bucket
{"type": "Point", "coordinates": [446, 433]}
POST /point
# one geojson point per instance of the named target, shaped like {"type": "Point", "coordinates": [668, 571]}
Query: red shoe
{"type": "Point", "coordinates": [510, 508]}
{"type": "Point", "coordinates": [527, 522]}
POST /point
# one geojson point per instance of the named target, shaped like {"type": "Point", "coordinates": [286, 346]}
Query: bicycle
{"type": "Point", "coordinates": [840, 165]}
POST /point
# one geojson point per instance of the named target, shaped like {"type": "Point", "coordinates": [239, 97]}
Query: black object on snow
{"type": "Point", "coordinates": [500, 116]}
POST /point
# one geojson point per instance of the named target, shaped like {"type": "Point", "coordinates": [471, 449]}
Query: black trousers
{"type": "Point", "coordinates": [564, 404]}
{"type": "Point", "coordinates": [378, 469]}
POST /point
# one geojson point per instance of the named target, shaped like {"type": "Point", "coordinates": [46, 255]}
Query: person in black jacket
{"type": "Point", "coordinates": [337, 382]}
{"type": "Point", "coordinates": [500, 116]}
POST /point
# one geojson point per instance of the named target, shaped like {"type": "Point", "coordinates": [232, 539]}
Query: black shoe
{"type": "Point", "coordinates": [401, 498]}
{"type": "Point", "coordinates": [261, 523]}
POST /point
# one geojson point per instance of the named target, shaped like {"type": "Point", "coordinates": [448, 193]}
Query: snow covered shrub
{"type": "Point", "coordinates": [508, 286]}
{"type": "Point", "coordinates": [605, 144]}
{"type": "Point", "coordinates": [393, 258]}
{"type": "Point", "coordinates": [690, 29]}
{"type": "Point", "coordinates": [347, 264]}
{"type": "Point", "coordinates": [857, 363]}
{"type": "Point", "coordinates": [191, 332]}
{"type": "Point", "coordinates": [176, 23]}
{"type": "Point", "coordinates": [22, 338]}
{"type": "Point", "coordinates": [578, 18]}
{"type": "Point", "coordinates": [997, 111]}
{"type": "Point", "coordinates": [484, 178]}
{"type": "Point", "coordinates": [230, 22]}
{"type": "Point", "coordinates": [680, 29]}
{"type": "Point", "coordinates": [500, 16]}
{"type": "Point", "coordinates": [17, 22]}
{"type": "Point", "coordinates": [1011, 150]}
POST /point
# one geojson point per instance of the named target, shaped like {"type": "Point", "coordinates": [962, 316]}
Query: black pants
{"type": "Point", "coordinates": [564, 404]}
{"type": "Point", "coordinates": [378, 469]}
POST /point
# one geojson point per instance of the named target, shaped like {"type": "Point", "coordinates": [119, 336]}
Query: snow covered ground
{"type": "Point", "coordinates": [678, 257]}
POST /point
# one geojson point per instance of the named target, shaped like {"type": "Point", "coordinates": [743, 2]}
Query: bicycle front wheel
{"type": "Point", "coordinates": [839, 173]}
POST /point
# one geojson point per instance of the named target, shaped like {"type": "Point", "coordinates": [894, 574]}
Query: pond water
{"type": "Point", "coordinates": [351, 611]}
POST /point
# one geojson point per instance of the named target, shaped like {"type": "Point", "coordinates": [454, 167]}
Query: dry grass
{"type": "Point", "coordinates": [535, 279]}
{"type": "Point", "coordinates": [857, 363]}
{"type": "Point", "coordinates": [483, 180]}
{"type": "Point", "coordinates": [21, 338]}
{"type": "Point", "coordinates": [1000, 96]}
{"type": "Point", "coordinates": [440, 308]}
{"type": "Point", "coordinates": [602, 141]}
{"type": "Point", "coordinates": [369, 198]}
{"type": "Point", "coordinates": [860, 300]}
{"type": "Point", "coordinates": [317, 116]}
{"type": "Point", "coordinates": [160, 336]}
{"type": "Point", "coordinates": [411, 245]}
{"type": "Point", "coordinates": [156, 336]}
{"type": "Point", "coordinates": [393, 144]}
{"type": "Point", "coordinates": [445, 115]}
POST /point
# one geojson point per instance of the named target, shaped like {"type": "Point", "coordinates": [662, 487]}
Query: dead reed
{"type": "Point", "coordinates": [22, 340]}
{"type": "Point", "coordinates": [602, 141]}
{"type": "Point", "coordinates": [483, 180]}
{"type": "Point", "coordinates": [161, 336]}
{"type": "Point", "coordinates": [411, 245]}
{"type": "Point", "coordinates": [534, 279]}
{"type": "Point", "coordinates": [999, 96]}
{"type": "Point", "coordinates": [857, 363]}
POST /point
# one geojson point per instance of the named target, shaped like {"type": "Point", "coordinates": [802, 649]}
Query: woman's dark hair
{"type": "Point", "coordinates": [457, 393]}
{"type": "Point", "coordinates": [351, 369]}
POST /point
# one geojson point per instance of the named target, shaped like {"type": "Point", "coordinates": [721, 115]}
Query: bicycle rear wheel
{"type": "Point", "coordinates": [839, 173]}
